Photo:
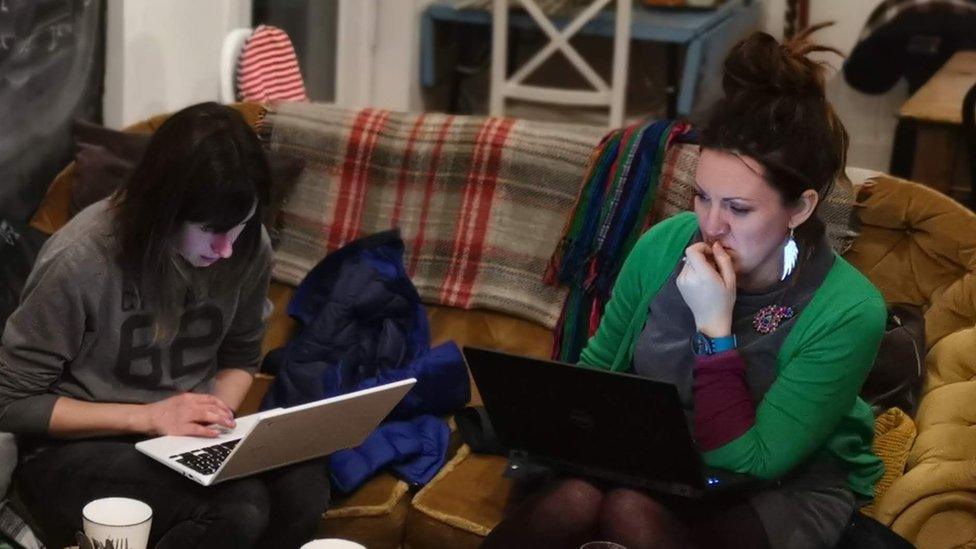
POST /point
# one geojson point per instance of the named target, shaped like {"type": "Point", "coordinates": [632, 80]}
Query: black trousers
{"type": "Point", "coordinates": [279, 508]}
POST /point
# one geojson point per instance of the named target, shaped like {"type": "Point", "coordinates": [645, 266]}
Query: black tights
{"type": "Point", "coordinates": [570, 512]}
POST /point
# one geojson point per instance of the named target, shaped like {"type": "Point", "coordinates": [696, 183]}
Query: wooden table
{"type": "Point", "coordinates": [941, 157]}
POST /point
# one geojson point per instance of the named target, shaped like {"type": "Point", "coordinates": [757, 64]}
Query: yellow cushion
{"type": "Point", "coordinates": [894, 434]}
{"type": "Point", "coordinates": [918, 246]}
{"type": "Point", "coordinates": [461, 504]}
{"type": "Point", "coordinates": [373, 515]}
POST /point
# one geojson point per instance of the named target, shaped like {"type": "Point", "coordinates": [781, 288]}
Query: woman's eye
{"type": "Point", "coordinates": [701, 196]}
{"type": "Point", "coordinates": [739, 210]}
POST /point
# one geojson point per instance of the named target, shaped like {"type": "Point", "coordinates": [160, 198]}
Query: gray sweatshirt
{"type": "Point", "coordinates": [82, 330]}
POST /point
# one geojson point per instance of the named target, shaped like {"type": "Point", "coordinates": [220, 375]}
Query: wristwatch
{"type": "Point", "coordinates": [702, 345]}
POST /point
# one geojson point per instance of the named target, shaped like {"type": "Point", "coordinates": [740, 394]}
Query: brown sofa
{"type": "Point", "coordinates": [915, 244]}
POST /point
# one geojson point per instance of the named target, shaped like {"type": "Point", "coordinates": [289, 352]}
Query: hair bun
{"type": "Point", "coordinates": [762, 67]}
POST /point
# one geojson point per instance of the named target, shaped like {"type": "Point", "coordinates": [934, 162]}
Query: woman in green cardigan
{"type": "Point", "coordinates": [765, 331]}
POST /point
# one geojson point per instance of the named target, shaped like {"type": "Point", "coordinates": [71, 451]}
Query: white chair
{"type": "Point", "coordinates": [230, 53]}
{"type": "Point", "coordinates": [602, 94]}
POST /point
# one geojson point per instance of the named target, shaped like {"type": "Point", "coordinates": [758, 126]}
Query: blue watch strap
{"type": "Point", "coordinates": [702, 345]}
{"type": "Point", "coordinates": [722, 344]}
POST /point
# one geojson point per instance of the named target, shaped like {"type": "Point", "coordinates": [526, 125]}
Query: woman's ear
{"type": "Point", "coordinates": [804, 207]}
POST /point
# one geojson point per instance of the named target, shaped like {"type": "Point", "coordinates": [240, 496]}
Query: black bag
{"type": "Point", "coordinates": [477, 432]}
{"type": "Point", "coordinates": [19, 245]}
{"type": "Point", "coordinates": [896, 378]}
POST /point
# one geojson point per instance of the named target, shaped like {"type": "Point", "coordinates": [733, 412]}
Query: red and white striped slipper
{"type": "Point", "coordinates": [268, 68]}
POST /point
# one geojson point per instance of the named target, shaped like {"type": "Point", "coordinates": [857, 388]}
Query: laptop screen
{"type": "Point", "coordinates": [620, 423]}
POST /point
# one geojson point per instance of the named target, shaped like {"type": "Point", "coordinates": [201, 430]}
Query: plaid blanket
{"type": "Point", "coordinates": [480, 202]}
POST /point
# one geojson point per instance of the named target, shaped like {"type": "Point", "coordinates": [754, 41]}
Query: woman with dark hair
{"type": "Point", "coordinates": [144, 315]}
{"type": "Point", "coordinates": [765, 331]}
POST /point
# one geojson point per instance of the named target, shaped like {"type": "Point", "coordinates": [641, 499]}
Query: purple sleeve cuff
{"type": "Point", "coordinates": [724, 409]}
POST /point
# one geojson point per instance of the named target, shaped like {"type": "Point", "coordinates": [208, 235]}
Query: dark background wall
{"type": "Point", "coordinates": [51, 71]}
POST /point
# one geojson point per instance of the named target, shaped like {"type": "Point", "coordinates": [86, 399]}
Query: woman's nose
{"type": "Point", "coordinates": [715, 225]}
{"type": "Point", "coordinates": [222, 246]}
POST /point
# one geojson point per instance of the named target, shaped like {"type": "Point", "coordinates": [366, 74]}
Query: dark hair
{"type": "Point", "coordinates": [204, 165]}
{"type": "Point", "coordinates": [775, 111]}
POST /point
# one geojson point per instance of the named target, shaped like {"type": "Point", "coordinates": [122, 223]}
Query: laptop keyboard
{"type": "Point", "coordinates": [208, 459]}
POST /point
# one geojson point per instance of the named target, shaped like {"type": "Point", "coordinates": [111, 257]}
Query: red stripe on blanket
{"type": "Point", "coordinates": [469, 245]}
{"type": "Point", "coordinates": [355, 226]}
{"type": "Point", "coordinates": [402, 177]}
{"type": "Point", "coordinates": [448, 293]}
{"type": "Point", "coordinates": [435, 159]}
{"type": "Point", "coordinates": [596, 307]}
{"type": "Point", "coordinates": [359, 150]}
{"type": "Point", "coordinates": [350, 168]}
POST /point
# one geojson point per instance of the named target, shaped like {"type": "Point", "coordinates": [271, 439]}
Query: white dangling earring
{"type": "Point", "coordinates": [790, 252]}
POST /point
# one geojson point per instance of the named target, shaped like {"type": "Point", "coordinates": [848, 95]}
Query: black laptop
{"type": "Point", "coordinates": [617, 427]}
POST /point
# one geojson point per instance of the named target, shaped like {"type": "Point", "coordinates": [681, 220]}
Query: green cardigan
{"type": "Point", "coordinates": [812, 405]}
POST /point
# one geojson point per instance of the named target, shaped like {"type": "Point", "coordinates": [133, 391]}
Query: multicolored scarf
{"type": "Point", "coordinates": [615, 206]}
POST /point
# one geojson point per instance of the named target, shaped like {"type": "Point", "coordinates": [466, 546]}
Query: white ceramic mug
{"type": "Point", "coordinates": [332, 543]}
{"type": "Point", "coordinates": [125, 521]}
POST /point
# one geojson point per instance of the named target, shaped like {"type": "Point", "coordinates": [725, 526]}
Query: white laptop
{"type": "Point", "coordinates": [279, 437]}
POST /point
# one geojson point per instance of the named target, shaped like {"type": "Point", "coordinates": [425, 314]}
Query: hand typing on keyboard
{"type": "Point", "coordinates": [188, 414]}
{"type": "Point", "coordinates": [221, 430]}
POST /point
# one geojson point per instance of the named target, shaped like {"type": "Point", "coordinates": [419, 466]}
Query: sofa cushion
{"type": "Point", "coordinates": [488, 329]}
{"type": "Point", "coordinates": [55, 208]}
{"type": "Point", "coordinates": [894, 434]}
{"type": "Point", "coordinates": [104, 160]}
{"type": "Point", "coordinates": [373, 515]}
{"type": "Point", "coordinates": [934, 502]}
{"type": "Point", "coordinates": [461, 505]}
{"type": "Point", "coordinates": [950, 361]}
{"type": "Point", "coordinates": [918, 246]}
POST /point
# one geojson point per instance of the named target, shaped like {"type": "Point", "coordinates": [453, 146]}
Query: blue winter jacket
{"type": "Point", "coordinates": [362, 324]}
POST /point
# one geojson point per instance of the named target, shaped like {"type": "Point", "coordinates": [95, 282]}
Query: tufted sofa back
{"type": "Point", "coordinates": [919, 246]}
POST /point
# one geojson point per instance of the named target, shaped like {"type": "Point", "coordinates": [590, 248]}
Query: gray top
{"type": "Point", "coordinates": [663, 351]}
{"type": "Point", "coordinates": [82, 331]}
